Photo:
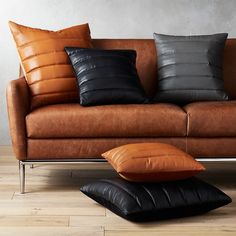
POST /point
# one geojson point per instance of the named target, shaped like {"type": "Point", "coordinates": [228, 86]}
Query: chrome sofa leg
{"type": "Point", "coordinates": [32, 166]}
{"type": "Point", "coordinates": [22, 176]}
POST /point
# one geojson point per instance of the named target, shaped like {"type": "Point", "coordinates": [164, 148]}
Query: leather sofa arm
{"type": "Point", "coordinates": [18, 105]}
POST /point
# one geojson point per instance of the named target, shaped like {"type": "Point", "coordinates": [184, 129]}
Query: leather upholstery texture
{"type": "Point", "coordinates": [190, 68]}
{"type": "Point", "coordinates": [63, 148]}
{"type": "Point", "coordinates": [211, 119]}
{"type": "Point", "coordinates": [152, 162]}
{"type": "Point", "coordinates": [74, 148]}
{"type": "Point", "coordinates": [155, 201]}
{"type": "Point", "coordinates": [146, 61]}
{"type": "Point", "coordinates": [106, 76]}
{"type": "Point", "coordinates": [46, 66]}
{"type": "Point", "coordinates": [229, 67]}
{"type": "Point", "coordinates": [75, 121]}
{"type": "Point", "coordinates": [211, 147]}
{"type": "Point", "coordinates": [18, 106]}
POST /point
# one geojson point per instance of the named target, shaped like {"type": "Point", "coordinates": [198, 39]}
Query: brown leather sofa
{"type": "Point", "coordinates": [69, 131]}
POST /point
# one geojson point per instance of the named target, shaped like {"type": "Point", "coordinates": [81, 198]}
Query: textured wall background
{"type": "Point", "coordinates": [108, 19]}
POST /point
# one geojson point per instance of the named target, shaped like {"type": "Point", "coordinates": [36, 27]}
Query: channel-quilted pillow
{"type": "Point", "coordinates": [45, 64]}
{"type": "Point", "coordinates": [154, 201]}
{"type": "Point", "coordinates": [152, 162]}
{"type": "Point", "coordinates": [190, 68]}
{"type": "Point", "coordinates": [106, 76]}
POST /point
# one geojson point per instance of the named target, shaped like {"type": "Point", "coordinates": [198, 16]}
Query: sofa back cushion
{"type": "Point", "coordinates": [45, 64]}
{"type": "Point", "coordinates": [229, 68]}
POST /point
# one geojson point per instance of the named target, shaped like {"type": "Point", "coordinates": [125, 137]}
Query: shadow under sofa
{"type": "Point", "coordinates": [70, 133]}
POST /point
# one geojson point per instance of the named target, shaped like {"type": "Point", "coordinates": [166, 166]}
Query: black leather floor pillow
{"type": "Point", "coordinates": [153, 201]}
{"type": "Point", "coordinates": [106, 76]}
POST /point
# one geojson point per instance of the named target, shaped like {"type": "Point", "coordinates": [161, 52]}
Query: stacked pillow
{"type": "Point", "coordinates": [152, 162]}
{"type": "Point", "coordinates": [157, 183]}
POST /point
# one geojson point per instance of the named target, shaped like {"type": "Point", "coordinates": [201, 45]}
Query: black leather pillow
{"type": "Point", "coordinates": [152, 201]}
{"type": "Point", "coordinates": [106, 76]}
{"type": "Point", "coordinates": [190, 68]}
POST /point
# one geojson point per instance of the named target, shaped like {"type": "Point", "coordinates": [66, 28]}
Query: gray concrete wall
{"type": "Point", "coordinates": [108, 19]}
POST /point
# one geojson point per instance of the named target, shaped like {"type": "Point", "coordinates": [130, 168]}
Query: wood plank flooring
{"type": "Point", "coordinates": [53, 204]}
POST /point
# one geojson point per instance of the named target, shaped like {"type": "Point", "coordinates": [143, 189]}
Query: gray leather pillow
{"type": "Point", "coordinates": [190, 68]}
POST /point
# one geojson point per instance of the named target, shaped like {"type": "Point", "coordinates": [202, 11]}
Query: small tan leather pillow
{"type": "Point", "coordinates": [152, 162]}
{"type": "Point", "coordinates": [46, 65]}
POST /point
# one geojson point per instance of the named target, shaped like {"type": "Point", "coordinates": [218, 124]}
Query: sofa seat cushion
{"type": "Point", "coordinates": [211, 119]}
{"type": "Point", "coordinates": [75, 121]}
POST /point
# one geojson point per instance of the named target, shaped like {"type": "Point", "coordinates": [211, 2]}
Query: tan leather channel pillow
{"type": "Point", "coordinates": [46, 65]}
{"type": "Point", "coordinates": [152, 162]}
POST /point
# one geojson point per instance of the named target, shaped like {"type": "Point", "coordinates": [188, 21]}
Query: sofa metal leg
{"type": "Point", "coordinates": [32, 166]}
{"type": "Point", "coordinates": [22, 176]}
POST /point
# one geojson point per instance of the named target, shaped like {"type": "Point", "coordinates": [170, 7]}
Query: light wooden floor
{"type": "Point", "coordinates": [54, 205]}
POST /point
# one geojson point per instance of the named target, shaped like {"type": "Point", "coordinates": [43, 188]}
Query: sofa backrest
{"type": "Point", "coordinates": [147, 61]}
{"type": "Point", "coordinates": [230, 67]}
